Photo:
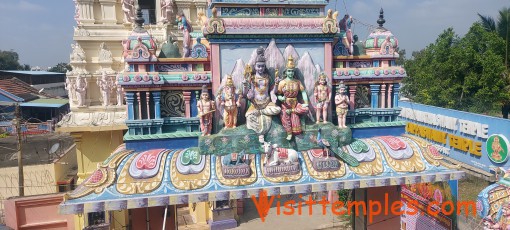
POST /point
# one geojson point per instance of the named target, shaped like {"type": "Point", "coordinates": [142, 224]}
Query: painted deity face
{"type": "Point", "coordinates": [205, 96]}
{"type": "Point", "coordinates": [260, 67]}
{"type": "Point", "coordinates": [290, 73]}
{"type": "Point", "coordinates": [322, 81]}
{"type": "Point", "coordinates": [342, 91]}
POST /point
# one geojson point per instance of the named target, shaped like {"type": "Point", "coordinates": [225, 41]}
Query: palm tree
{"type": "Point", "coordinates": [502, 28]}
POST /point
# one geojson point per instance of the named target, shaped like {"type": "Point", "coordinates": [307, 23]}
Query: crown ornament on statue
{"type": "Point", "coordinates": [204, 89]}
{"type": "Point", "coordinates": [229, 81]}
{"type": "Point", "coordinates": [322, 76]}
{"type": "Point", "coordinates": [290, 62]}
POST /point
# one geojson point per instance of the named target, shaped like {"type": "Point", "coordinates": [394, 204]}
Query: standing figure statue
{"type": "Point", "coordinates": [104, 53]}
{"type": "Point", "coordinates": [77, 54]}
{"type": "Point", "coordinates": [128, 7]}
{"type": "Point", "coordinates": [206, 110]}
{"type": "Point", "coordinates": [105, 86]}
{"type": "Point", "coordinates": [256, 90]}
{"type": "Point", "coordinates": [167, 8]}
{"type": "Point", "coordinates": [185, 27]}
{"type": "Point", "coordinates": [120, 94]}
{"type": "Point", "coordinates": [322, 95]}
{"type": "Point", "coordinates": [230, 102]}
{"type": "Point", "coordinates": [70, 86]}
{"type": "Point", "coordinates": [346, 33]}
{"type": "Point", "coordinates": [342, 105]}
{"type": "Point", "coordinates": [288, 91]}
{"type": "Point", "coordinates": [81, 90]}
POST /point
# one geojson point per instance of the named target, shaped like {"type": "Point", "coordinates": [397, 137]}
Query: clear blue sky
{"type": "Point", "coordinates": [41, 30]}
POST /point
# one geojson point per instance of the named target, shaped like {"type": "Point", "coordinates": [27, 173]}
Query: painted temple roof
{"type": "Point", "coordinates": [493, 198]}
{"type": "Point", "coordinates": [158, 177]}
{"type": "Point", "coordinates": [269, 2]}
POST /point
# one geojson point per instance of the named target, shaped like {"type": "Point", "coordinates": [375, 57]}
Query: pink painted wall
{"type": "Point", "coordinates": [156, 214]}
{"type": "Point", "coordinates": [36, 212]}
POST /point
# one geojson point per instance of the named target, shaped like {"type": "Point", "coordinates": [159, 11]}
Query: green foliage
{"type": "Point", "coordinates": [61, 68]}
{"type": "Point", "coordinates": [460, 73]}
{"type": "Point", "coordinates": [9, 60]}
{"type": "Point", "coordinates": [4, 135]}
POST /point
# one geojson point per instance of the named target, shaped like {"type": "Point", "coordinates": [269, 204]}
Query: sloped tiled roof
{"type": "Point", "coordinates": [21, 89]}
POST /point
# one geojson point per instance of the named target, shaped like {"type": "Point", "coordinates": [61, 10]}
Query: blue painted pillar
{"type": "Point", "coordinates": [374, 89]}
{"type": "Point", "coordinates": [396, 90]}
{"type": "Point", "coordinates": [130, 98]}
{"type": "Point", "coordinates": [156, 95]}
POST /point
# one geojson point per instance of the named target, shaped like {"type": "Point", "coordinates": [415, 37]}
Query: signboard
{"type": "Point", "coordinates": [473, 139]}
{"type": "Point", "coordinates": [429, 206]}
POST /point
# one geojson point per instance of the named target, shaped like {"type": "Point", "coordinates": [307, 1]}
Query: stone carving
{"type": "Point", "coordinates": [288, 91]}
{"type": "Point", "coordinates": [215, 25]}
{"type": "Point", "coordinates": [280, 161]}
{"type": "Point", "coordinates": [81, 90]}
{"type": "Point", "coordinates": [199, 50]}
{"type": "Point", "coordinates": [186, 29]}
{"type": "Point", "coordinates": [342, 105]}
{"type": "Point", "coordinates": [201, 20]}
{"type": "Point", "coordinates": [329, 25]}
{"type": "Point", "coordinates": [229, 101]}
{"type": "Point", "coordinates": [93, 119]}
{"type": "Point", "coordinates": [206, 110]}
{"type": "Point", "coordinates": [235, 165]}
{"type": "Point", "coordinates": [146, 164]}
{"type": "Point", "coordinates": [167, 9]}
{"type": "Point", "coordinates": [346, 33]}
{"type": "Point", "coordinates": [190, 162]}
{"type": "Point", "coordinates": [322, 94]}
{"type": "Point", "coordinates": [120, 93]}
{"type": "Point", "coordinates": [70, 86]}
{"type": "Point", "coordinates": [77, 54]}
{"type": "Point", "coordinates": [77, 12]}
{"type": "Point", "coordinates": [256, 89]}
{"type": "Point", "coordinates": [81, 32]}
{"type": "Point", "coordinates": [172, 104]}
{"type": "Point", "coordinates": [105, 55]}
{"type": "Point", "coordinates": [105, 85]}
{"type": "Point", "coordinates": [128, 7]}
{"type": "Point", "coordinates": [387, 47]}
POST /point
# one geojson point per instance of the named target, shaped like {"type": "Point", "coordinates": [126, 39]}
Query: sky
{"type": "Point", "coordinates": [41, 31]}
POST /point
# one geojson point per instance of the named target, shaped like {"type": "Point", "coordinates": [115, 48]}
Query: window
{"type": "Point", "coordinates": [148, 10]}
{"type": "Point", "coordinates": [95, 218]}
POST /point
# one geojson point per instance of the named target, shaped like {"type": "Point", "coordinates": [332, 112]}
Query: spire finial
{"type": "Point", "coordinates": [139, 21]}
{"type": "Point", "coordinates": [381, 20]}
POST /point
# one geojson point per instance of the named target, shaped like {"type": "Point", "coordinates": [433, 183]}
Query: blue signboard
{"type": "Point", "coordinates": [473, 139]}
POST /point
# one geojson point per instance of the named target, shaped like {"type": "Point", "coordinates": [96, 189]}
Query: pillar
{"type": "Point", "coordinates": [215, 67]}
{"type": "Point", "coordinates": [396, 90]}
{"type": "Point", "coordinates": [130, 108]}
{"type": "Point", "coordinates": [157, 106]}
{"type": "Point", "coordinates": [201, 7]}
{"type": "Point", "coordinates": [187, 105]}
{"type": "Point", "coordinates": [374, 89]}
{"type": "Point", "coordinates": [86, 11]}
{"type": "Point", "coordinates": [108, 11]}
{"type": "Point", "coordinates": [390, 87]}
{"type": "Point", "coordinates": [157, 12]}
{"type": "Point", "coordinates": [147, 102]}
{"type": "Point", "coordinates": [184, 6]}
{"type": "Point", "coordinates": [139, 99]}
{"type": "Point", "coordinates": [352, 97]}
{"type": "Point", "coordinates": [383, 96]}
{"type": "Point", "coordinates": [79, 157]}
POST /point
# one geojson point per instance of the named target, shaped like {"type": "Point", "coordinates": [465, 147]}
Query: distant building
{"type": "Point", "coordinates": [36, 105]}
{"type": "Point", "coordinates": [49, 82]}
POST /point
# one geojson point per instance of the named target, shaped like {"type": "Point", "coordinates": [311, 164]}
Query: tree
{"type": "Point", "coordinates": [9, 60]}
{"type": "Point", "coordinates": [61, 68]}
{"type": "Point", "coordinates": [459, 73]}
{"type": "Point", "coordinates": [502, 28]}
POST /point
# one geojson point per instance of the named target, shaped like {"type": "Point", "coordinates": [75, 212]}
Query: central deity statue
{"type": "Point", "coordinates": [256, 89]}
{"type": "Point", "coordinates": [288, 91]}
